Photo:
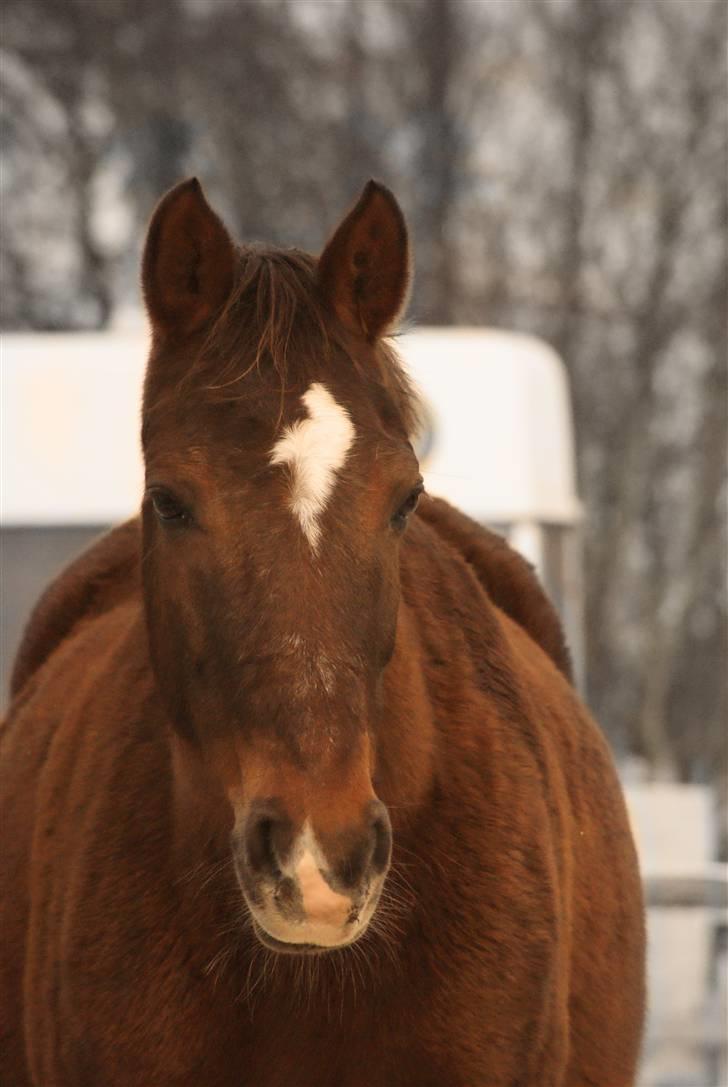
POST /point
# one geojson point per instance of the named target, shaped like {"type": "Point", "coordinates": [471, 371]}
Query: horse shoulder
{"type": "Point", "coordinates": [561, 782]}
{"type": "Point", "coordinates": [598, 874]}
{"type": "Point", "coordinates": [99, 578]}
{"type": "Point", "coordinates": [509, 581]}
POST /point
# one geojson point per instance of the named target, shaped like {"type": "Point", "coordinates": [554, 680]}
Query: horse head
{"type": "Point", "coordinates": [280, 480]}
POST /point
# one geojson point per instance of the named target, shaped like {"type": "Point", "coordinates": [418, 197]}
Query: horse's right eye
{"type": "Point", "coordinates": [167, 507]}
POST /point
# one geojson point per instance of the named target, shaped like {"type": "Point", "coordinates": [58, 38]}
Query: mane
{"type": "Point", "coordinates": [275, 323]}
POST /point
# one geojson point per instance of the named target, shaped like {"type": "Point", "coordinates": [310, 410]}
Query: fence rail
{"type": "Point", "coordinates": [709, 890]}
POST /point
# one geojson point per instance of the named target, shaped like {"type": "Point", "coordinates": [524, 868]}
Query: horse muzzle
{"type": "Point", "coordinates": [310, 892]}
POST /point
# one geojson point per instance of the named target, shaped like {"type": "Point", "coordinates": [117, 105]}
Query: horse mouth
{"type": "Point", "coordinates": [286, 948]}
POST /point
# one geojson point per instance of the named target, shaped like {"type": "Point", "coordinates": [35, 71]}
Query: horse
{"type": "Point", "coordinates": [296, 788]}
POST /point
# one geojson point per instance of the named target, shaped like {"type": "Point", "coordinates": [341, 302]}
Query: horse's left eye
{"type": "Point", "coordinates": [167, 507]}
{"type": "Point", "coordinates": [408, 507]}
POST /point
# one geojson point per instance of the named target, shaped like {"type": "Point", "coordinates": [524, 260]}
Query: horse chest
{"type": "Point", "coordinates": [355, 1052]}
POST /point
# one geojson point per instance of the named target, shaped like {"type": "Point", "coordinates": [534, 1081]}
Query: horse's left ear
{"type": "Point", "coordinates": [189, 261]}
{"type": "Point", "coordinates": [364, 271]}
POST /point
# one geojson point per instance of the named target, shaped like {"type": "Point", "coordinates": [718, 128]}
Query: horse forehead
{"type": "Point", "coordinates": [314, 450]}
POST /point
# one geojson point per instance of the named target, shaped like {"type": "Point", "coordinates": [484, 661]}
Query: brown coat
{"type": "Point", "coordinates": [507, 947]}
{"type": "Point", "coordinates": [522, 954]}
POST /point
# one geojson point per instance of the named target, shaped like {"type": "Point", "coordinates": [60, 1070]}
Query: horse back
{"type": "Point", "coordinates": [102, 576]}
{"type": "Point", "coordinates": [508, 580]}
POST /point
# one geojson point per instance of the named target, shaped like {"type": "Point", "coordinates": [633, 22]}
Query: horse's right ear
{"type": "Point", "coordinates": [188, 264]}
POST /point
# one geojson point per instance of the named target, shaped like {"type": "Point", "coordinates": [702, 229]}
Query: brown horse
{"type": "Point", "coordinates": [296, 790]}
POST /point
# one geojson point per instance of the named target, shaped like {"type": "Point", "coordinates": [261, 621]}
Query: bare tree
{"type": "Point", "coordinates": [627, 293]}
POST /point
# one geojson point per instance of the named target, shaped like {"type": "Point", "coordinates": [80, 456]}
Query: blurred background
{"type": "Point", "coordinates": [562, 165]}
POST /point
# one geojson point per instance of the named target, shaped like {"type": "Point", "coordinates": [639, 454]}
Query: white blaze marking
{"type": "Point", "coordinates": [321, 903]}
{"type": "Point", "coordinates": [315, 449]}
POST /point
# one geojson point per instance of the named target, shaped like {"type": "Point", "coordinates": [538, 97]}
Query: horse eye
{"type": "Point", "coordinates": [167, 507]}
{"type": "Point", "coordinates": [408, 507]}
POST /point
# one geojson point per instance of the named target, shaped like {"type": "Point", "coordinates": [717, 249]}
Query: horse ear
{"type": "Point", "coordinates": [364, 271]}
{"type": "Point", "coordinates": [189, 261]}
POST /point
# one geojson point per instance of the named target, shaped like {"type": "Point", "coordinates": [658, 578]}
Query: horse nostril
{"type": "Point", "coordinates": [352, 868]}
{"type": "Point", "coordinates": [267, 840]}
{"type": "Point", "coordinates": [364, 853]}
{"type": "Point", "coordinates": [259, 848]}
{"type": "Point", "coordinates": [382, 829]}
